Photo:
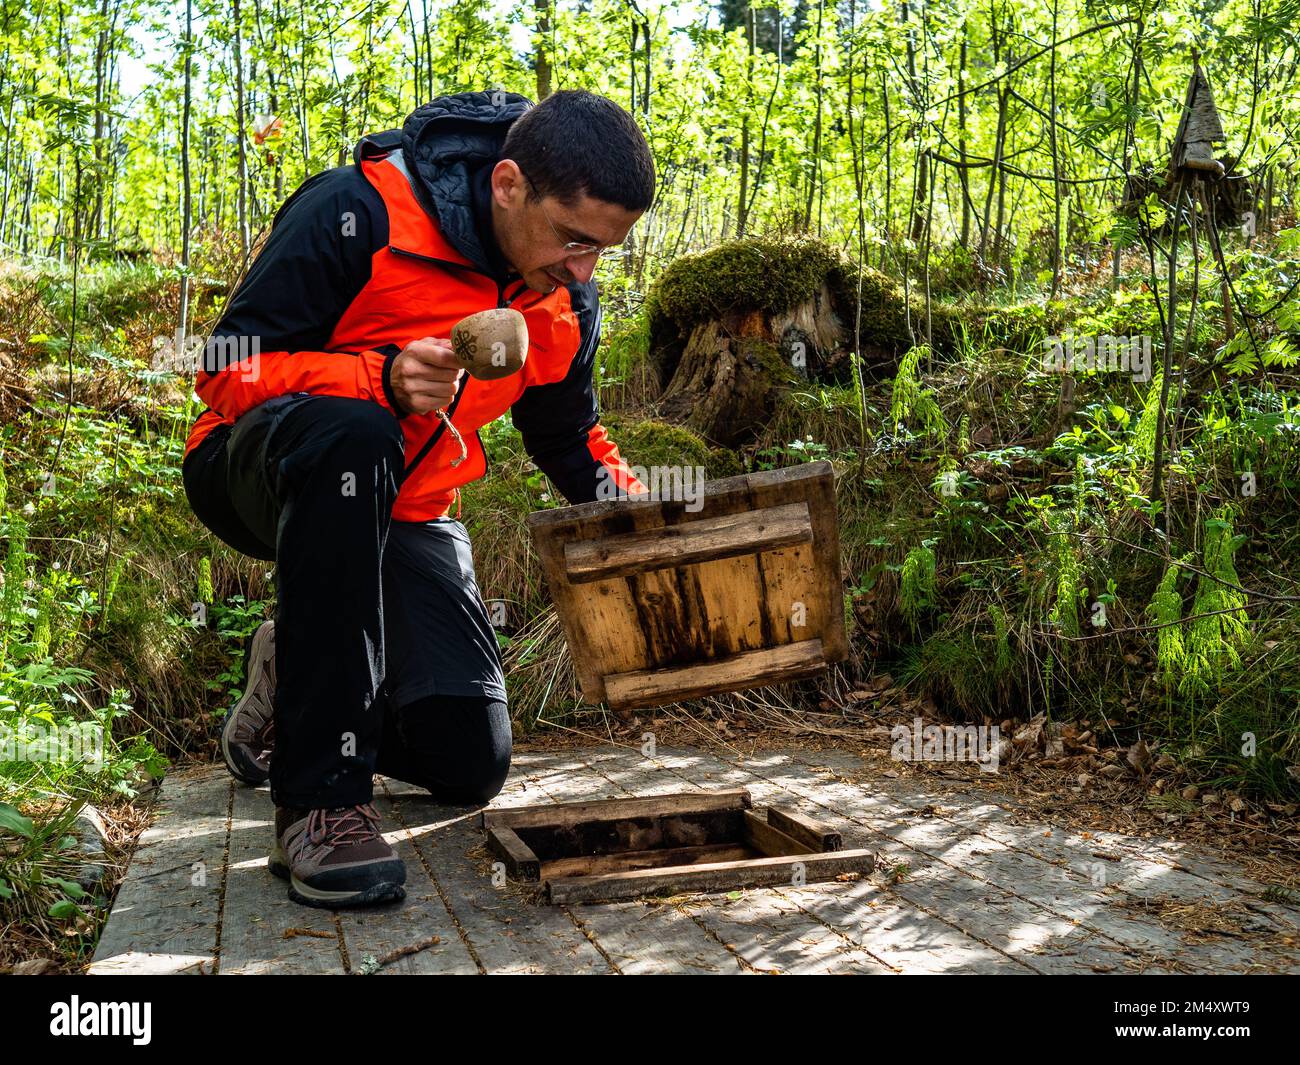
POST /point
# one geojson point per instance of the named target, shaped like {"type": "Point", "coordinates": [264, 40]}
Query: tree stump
{"type": "Point", "coordinates": [734, 368]}
{"type": "Point", "coordinates": [735, 327]}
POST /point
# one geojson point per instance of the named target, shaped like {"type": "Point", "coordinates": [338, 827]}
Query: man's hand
{"type": "Point", "coordinates": [424, 375]}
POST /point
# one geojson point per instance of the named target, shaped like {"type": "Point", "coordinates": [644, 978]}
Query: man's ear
{"type": "Point", "coordinates": [509, 187]}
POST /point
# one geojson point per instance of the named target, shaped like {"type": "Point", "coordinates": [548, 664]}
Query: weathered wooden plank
{"type": "Point", "coordinates": [586, 653]}
{"type": "Point", "coordinates": [165, 915]}
{"type": "Point", "coordinates": [826, 559]}
{"type": "Point", "coordinates": [262, 931]}
{"type": "Point", "coordinates": [373, 934]}
{"type": "Point", "coordinates": [504, 932]}
{"type": "Point", "coordinates": [642, 939]}
{"type": "Point", "coordinates": [784, 584]}
{"type": "Point", "coordinates": [774, 665]}
{"type": "Point", "coordinates": [726, 495]}
{"type": "Point", "coordinates": [734, 613]}
{"type": "Point", "coordinates": [570, 813]}
{"type": "Point", "coordinates": [813, 834]}
{"type": "Point", "coordinates": [702, 540]}
{"type": "Point", "coordinates": [769, 840]}
{"type": "Point", "coordinates": [610, 627]}
{"type": "Point", "coordinates": [669, 617]}
{"type": "Point", "coordinates": [621, 861]}
{"type": "Point", "coordinates": [521, 862]}
{"type": "Point", "coordinates": [775, 936]}
{"type": "Point", "coordinates": [906, 937]}
{"type": "Point", "coordinates": [709, 876]}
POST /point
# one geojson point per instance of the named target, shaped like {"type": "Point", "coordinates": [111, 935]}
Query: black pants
{"type": "Point", "coordinates": [385, 658]}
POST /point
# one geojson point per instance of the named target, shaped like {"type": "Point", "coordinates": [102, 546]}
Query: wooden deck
{"type": "Point", "coordinates": [963, 884]}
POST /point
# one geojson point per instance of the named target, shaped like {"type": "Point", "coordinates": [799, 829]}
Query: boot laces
{"type": "Point", "coordinates": [344, 826]}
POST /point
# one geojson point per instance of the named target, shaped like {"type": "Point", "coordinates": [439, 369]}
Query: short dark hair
{"type": "Point", "coordinates": [576, 141]}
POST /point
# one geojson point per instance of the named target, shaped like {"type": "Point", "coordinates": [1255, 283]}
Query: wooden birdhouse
{"type": "Point", "coordinates": [1198, 130]}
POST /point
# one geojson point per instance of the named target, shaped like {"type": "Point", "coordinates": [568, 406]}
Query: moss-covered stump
{"type": "Point", "coordinates": [728, 381]}
{"type": "Point", "coordinates": [732, 329]}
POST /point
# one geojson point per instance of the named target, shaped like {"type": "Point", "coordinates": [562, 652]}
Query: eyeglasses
{"type": "Point", "coordinates": [575, 247]}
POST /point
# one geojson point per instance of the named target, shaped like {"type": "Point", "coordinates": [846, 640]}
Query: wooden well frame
{"type": "Point", "coordinates": [608, 849]}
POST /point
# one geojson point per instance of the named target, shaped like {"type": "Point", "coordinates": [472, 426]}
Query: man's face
{"type": "Point", "coordinates": [532, 233]}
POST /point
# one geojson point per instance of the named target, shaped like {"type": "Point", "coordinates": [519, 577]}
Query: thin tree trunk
{"type": "Point", "coordinates": [815, 174]}
{"type": "Point", "coordinates": [239, 133]}
{"type": "Point", "coordinates": [541, 48]}
{"type": "Point", "coordinates": [889, 167]}
{"type": "Point", "coordinates": [183, 322]}
{"type": "Point", "coordinates": [1056, 162]}
{"type": "Point", "coordinates": [742, 212]}
{"type": "Point", "coordinates": [97, 143]}
{"type": "Point", "coordinates": [921, 171]}
{"type": "Point", "coordinates": [961, 141]}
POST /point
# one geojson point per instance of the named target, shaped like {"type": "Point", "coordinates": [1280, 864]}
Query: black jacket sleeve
{"type": "Point", "coordinates": [313, 264]}
{"type": "Point", "coordinates": [560, 422]}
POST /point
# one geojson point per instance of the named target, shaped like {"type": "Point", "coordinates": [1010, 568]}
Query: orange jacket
{"type": "Point", "coordinates": [419, 284]}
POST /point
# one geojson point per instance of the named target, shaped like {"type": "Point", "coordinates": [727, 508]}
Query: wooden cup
{"type": "Point", "coordinates": [492, 343]}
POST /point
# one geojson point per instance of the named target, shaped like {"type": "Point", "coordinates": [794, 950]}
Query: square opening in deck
{"type": "Point", "coordinates": [608, 849]}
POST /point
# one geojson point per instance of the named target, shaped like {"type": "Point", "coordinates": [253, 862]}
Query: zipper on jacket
{"type": "Point", "coordinates": [455, 402]}
{"type": "Point", "coordinates": [437, 262]}
{"type": "Point", "coordinates": [437, 432]}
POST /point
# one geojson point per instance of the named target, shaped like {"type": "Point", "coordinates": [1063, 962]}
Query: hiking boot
{"type": "Point", "coordinates": [336, 858]}
{"type": "Point", "coordinates": [248, 735]}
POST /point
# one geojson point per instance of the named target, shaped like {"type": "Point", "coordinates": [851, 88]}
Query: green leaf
{"type": "Point", "coordinates": [70, 887]}
{"type": "Point", "coordinates": [12, 821]}
{"type": "Point", "coordinates": [64, 908]}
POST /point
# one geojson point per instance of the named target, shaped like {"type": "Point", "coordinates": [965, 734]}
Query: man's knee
{"type": "Point", "coordinates": [488, 778]}
{"type": "Point", "coordinates": [459, 747]}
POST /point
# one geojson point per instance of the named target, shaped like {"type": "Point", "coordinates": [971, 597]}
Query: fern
{"type": "Point", "coordinates": [1166, 610]}
{"type": "Point", "coordinates": [42, 627]}
{"type": "Point", "coordinates": [916, 586]}
{"type": "Point", "coordinates": [1219, 625]}
{"type": "Point", "coordinates": [1144, 434]}
{"type": "Point", "coordinates": [15, 574]}
{"type": "Point", "coordinates": [1067, 573]}
{"type": "Point", "coordinates": [912, 402]}
{"type": "Point", "coordinates": [205, 580]}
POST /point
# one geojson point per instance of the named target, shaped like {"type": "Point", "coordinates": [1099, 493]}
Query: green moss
{"type": "Point", "coordinates": [775, 275]}
{"type": "Point", "coordinates": [1020, 327]}
{"type": "Point", "coordinates": [650, 442]}
{"type": "Point", "coordinates": [754, 274]}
